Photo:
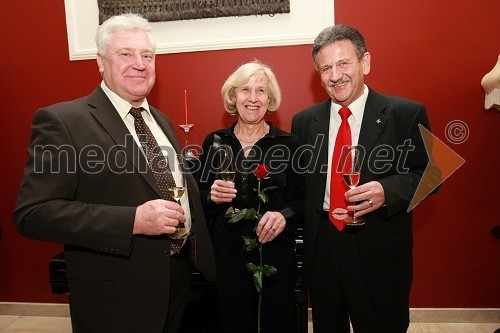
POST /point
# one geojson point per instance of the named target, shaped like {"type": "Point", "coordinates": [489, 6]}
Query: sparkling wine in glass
{"type": "Point", "coordinates": [351, 179]}
{"type": "Point", "coordinates": [177, 192]}
{"type": "Point", "coordinates": [227, 170]}
{"type": "Point", "coordinates": [228, 176]}
{"type": "Point", "coordinates": [351, 172]}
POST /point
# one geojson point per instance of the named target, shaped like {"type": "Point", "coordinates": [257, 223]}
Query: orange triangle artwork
{"type": "Point", "coordinates": [443, 162]}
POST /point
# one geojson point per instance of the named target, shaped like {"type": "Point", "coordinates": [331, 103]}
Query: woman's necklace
{"type": "Point", "coordinates": [260, 135]}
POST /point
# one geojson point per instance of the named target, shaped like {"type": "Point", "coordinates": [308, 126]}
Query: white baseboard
{"type": "Point", "coordinates": [451, 315]}
{"type": "Point", "coordinates": [455, 315]}
{"type": "Point", "coordinates": [34, 309]}
{"type": "Point", "coordinates": [417, 315]}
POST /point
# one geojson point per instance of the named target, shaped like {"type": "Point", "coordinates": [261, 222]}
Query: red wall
{"type": "Point", "coordinates": [433, 52]}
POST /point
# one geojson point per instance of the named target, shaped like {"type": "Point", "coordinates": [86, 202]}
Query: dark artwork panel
{"type": "Point", "coordinates": [175, 10]}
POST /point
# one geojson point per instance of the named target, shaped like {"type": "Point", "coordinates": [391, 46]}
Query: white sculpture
{"type": "Point", "coordinates": [491, 86]}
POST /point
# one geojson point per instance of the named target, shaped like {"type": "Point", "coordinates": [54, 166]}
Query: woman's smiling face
{"type": "Point", "coordinates": [252, 99]}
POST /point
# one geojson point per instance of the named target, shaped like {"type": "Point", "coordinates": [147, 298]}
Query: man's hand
{"type": "Point", "coordinates": [369, 196]}
{"type": "Point", "coordinates": [157, 217]}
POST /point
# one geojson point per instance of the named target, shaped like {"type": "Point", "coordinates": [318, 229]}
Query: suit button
{"type": "Point", "coordinates": [166, 253]}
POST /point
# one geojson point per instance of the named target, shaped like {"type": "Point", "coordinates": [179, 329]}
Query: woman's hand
{"type": "Point", "coordinates": [222, 191]}
{"type": "Point", "coordinates": [270, 226]}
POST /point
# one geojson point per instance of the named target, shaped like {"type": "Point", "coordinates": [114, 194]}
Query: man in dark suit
{"type": "Point", "coordinates": [91, 184]}
{"type": "Point", "coordinates": [359, 274]}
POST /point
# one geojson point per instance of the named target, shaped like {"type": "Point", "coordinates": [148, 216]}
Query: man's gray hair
{"type": "Point", "coordinates": [126, 22]}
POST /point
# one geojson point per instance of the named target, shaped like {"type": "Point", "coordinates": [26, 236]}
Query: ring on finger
{"type": "Point", "coordinates": [273, 229]}
{"type": "Point", "coordinates": [370, 203]}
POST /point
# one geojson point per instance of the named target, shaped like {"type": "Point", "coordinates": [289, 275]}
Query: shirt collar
{"type": "Point", "coordinates": [121, 105]}
{"type": "Point", "coordinates": [357, 107]}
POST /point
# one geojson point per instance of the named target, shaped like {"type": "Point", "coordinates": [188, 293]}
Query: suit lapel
{"type": "Point", "coordinates": [105, 113]}
{"type": "Point", "coordinates": [320, 127]}
{"type": "Point", "coordinates": [374, 121]}
{"type": "Point", "coordinates": [167, 128]}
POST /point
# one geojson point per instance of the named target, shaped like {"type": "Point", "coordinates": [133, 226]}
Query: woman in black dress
{"type": "Point", "coordinates": [250, 93]}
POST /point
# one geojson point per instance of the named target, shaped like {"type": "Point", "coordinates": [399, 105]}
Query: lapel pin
{"type": "Point", "coordinates": [379, 121]}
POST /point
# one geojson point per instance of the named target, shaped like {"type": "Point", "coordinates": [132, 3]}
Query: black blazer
{"type": "Point", "coordinates": [81, 187]}
{"type": "Point", "coordinates": [386, 241]}
{"type": "Point", "coordinates": [276, 150]}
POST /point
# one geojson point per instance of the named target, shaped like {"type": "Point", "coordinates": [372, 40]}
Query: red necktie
{"type": "Point", "coordinates": [338, 203]}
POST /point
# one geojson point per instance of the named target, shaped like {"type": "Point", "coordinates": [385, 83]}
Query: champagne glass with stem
{"type": "Point", "coordinates": [351, 172]}
{"type": "Point", "coordinates": [227, 170]}
{"type": "Point", "coordinates": [177, 192]}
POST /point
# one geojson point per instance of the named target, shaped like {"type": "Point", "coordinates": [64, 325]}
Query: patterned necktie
{"type": "Point", "coordinates": [338, 203]}
{"type": "Point", "coordinates": [157, 163]}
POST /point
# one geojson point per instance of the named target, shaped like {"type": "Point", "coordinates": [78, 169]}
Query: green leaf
{"type": "Point", "coordinates": [257, 275]}
{"type": "Point", "coordinates": [269, 270]}
{"type": "Point", "coordinates": [239, 216]}
{"type": "Point", "coordinates": [257, 280]}
{"type": "Point", "coordinates": [250, 213]}
{"type": "Point", "coordinates": [263, 197]}
{"type": "Point", "coordinates": [270, 188]}
{"type": "Point", "coordinates": [250, 243]}
{"type": "Point", "coordinates": [251, 267]}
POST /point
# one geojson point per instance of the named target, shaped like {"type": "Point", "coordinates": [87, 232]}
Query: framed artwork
{"type": "Point", "coordinates": [300, 26]}
{"type": "Point", "coordinates": [176, 10]}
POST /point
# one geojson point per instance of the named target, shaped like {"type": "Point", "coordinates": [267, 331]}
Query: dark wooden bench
{"type": "Point", "coordinates": [202, 297]}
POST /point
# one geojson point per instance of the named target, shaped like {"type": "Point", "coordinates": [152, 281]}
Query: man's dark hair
{"type": "Point", "coordinates": [337, 33]}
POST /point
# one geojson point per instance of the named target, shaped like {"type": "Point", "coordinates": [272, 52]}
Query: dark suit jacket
{"type": "Point", "coordinates": [386, 241]}
{"type": "Point", "coordinates": [83, 181]}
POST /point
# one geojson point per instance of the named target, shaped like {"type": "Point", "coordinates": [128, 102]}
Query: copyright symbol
{"type": "Point", "coordinates": [457, 131]}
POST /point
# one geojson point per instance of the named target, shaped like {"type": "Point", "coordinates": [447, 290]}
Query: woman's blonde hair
{"type": "Point", "coordinates": [241, 77]}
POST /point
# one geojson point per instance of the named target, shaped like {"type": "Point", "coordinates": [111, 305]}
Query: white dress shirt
{"type": "Point", "coordinates": [123, 107]}
{"type": "Point", "coordinates": [355, 119]}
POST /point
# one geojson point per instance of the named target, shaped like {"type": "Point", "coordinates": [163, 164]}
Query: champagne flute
{"type": "Point", "coordinates": [177, 192]}
{"type": "Point", "coordinates": [351, 172]}
{"type": "Point", "coordinates": [227, 171]}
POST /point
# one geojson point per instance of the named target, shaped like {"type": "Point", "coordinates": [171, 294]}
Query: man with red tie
{"type": "Point", "coordinates": [358, 274]}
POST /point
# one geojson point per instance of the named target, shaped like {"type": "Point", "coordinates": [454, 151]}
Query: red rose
{"type": "Point", "coordinates": [261, 171]}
